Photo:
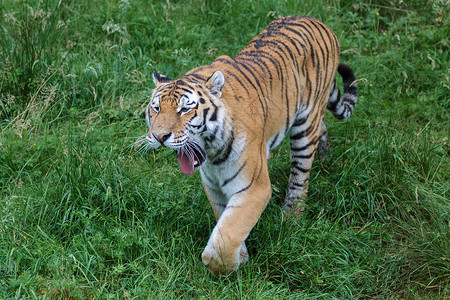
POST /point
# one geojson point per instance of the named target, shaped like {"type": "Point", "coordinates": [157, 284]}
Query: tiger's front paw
{"type": "Point", "coordinates": [220, 263]}
{"type": "Point", "coordinates": [243, 254]}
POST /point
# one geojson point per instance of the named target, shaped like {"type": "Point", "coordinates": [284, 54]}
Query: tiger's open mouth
{"type": "Point", "coordinates": [190, 156]}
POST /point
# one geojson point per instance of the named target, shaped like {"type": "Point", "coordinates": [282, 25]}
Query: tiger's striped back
{"type": "Point", "coordinates": [280, 74]}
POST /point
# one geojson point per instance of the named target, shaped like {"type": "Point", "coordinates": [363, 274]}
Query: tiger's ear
{"type": "Point", "coordinates": [159, 78]}
{"type": "Point", "coordinates": [215, 83]}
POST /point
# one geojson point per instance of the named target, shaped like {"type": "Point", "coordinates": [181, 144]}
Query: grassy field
{"type": "Point", "coordinates": [85, 215]}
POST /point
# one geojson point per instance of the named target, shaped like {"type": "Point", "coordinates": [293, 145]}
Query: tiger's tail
{"type": "Point", "coordinates": [342, 107]}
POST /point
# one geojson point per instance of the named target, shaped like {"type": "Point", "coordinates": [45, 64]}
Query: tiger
{"type": "Point", "coordinates": [225, 118]}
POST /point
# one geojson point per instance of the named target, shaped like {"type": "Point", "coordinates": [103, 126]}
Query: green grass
{"type": "Point", "coordinates": [83, 215]}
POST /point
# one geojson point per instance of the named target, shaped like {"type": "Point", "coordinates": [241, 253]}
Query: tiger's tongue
{"type": "Point", "coordinates": [186, 162]}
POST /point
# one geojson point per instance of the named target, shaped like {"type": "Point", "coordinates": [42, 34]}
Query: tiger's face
{"type": "Point", "coordinates": [176, 119]}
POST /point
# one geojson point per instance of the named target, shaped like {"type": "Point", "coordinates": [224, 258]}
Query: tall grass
{"type": "Point", "coordinates": [84, 216]}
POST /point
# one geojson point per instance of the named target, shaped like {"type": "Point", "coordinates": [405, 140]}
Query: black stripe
{"type": "Point", "coordinates": [303, 156]}
{"type": "Point", "coordinates": [305, 147]}
{"type": "Point", "coordinates": [214, 114]}
{"type": "Point", "coordinates": [274, 141]}
{"type": "Point", "coordinates": [299, 135]}
{"type": "Point", "coordinates": [226, 181]}
{"type": "Point", "coordinates": [245, 188]}
{"type": "Point", "coordinates": [299, 122]}
{"type": "Point", "coordinates": [196, 76]}
{"type": "Point", "coordinates": [305, 132]}
{"type": "Point", "coordinates": [226, 153]}
{"type": "Point", "coordinates": [350, 101]}
{"type": "Point", "coordinates": [205, 113]}
{"type": "Point", "coordinates": [299, 185]}
{"type": "Point", "coordinates": [295, 165]}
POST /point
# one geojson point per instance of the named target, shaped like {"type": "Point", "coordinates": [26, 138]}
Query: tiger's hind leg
{"type": "Point", "coordinates": [304, 138]}
{"type": "Point", "coordinates": [323, 141]}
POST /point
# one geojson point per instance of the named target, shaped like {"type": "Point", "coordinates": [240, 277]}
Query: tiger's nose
{"type": "Point", "coordinates": [162, 137]}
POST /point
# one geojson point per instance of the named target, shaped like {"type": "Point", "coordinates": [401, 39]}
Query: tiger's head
{"type": "Point", "coordinates": [183, 114]}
